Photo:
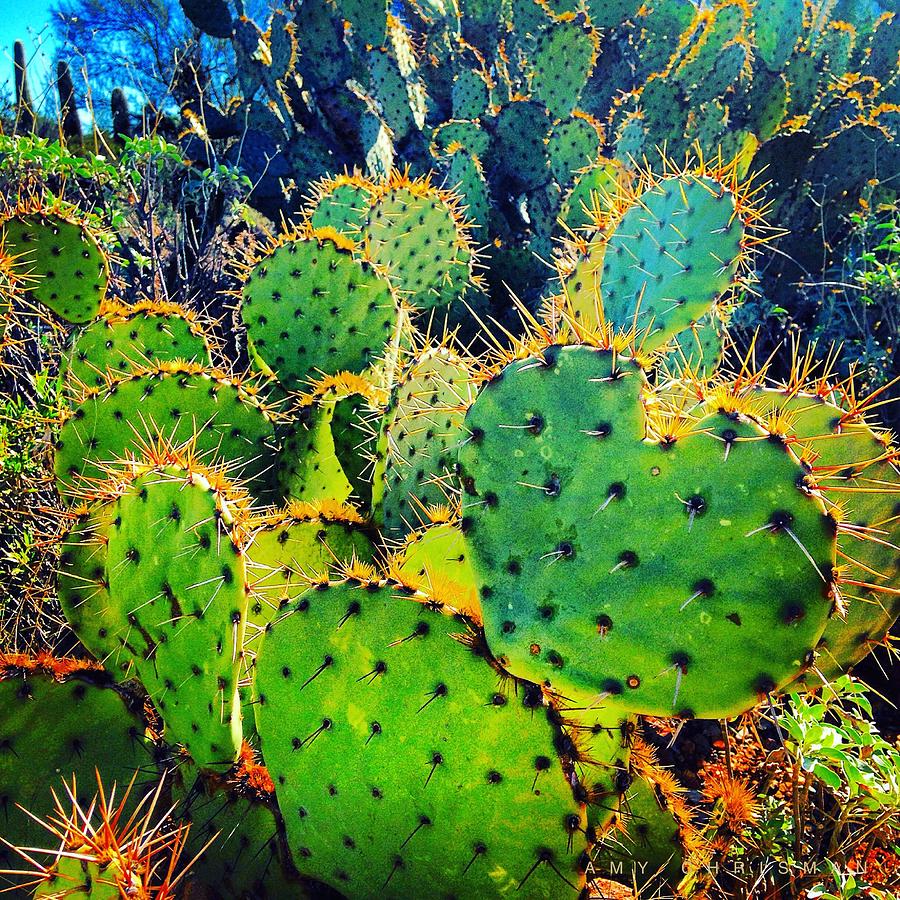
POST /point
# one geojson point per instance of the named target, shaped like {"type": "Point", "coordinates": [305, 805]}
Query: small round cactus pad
{"type": "Point", "coordinates": [689, 575]}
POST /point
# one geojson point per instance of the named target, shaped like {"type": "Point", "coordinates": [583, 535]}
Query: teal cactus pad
{"type": "Point", "coordinates": [420, 434]}
{"type": "Point", "coordinates": [390, 91]}
{"type": "Point", "coordinates": [52, 731]}
{"type": "Point", "coordinates": [610, 13]}
{"type": "Point", "coordinates": [181, 604]}
{"type": "Point", "coordinates": [399, 759]}
{"type": "Point", "coordinates": [777, 26]}
{"type": "Point", "coordinates": [175, 403]}
{"type": "Point", "coordinates": [465, 176]}
{"type": "Point", "coordinates": [518, 147]}
{"type": "Point", "coordinates": [465, 132]}
{"type": "Point", "coordinates": [470, 94]}
{"type": "Point", "coordinates": [563, 59]}
{"type": "Point", "coordinates": [70, 270]}
{"type": "Point", "coordinates": [631, 573]}
{"type": "Point", "coordinates": [672, 254]}
{"type": "Point", "coordinates": [313, 307]}
{"type": "Point", "coordinates": [417, 233]}
{"type": "Point", "coordinates": [126, 340]}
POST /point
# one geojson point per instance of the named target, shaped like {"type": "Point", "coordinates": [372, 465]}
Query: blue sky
{"type": "Point", "coordinates": [27, 21]}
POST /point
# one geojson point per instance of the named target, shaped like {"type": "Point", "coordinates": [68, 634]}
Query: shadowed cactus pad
{"type": "Point", "coordinates": [647, 575]}
{"type": "Point", "coordinates": [59, 719]}
{"type": "Point", "coordinates": [401, 758]}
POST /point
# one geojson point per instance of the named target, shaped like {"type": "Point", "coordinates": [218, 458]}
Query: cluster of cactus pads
{"type": "Point", "coordinates": [386, 607]}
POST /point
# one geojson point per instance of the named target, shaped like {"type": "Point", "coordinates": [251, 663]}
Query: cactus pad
{"type": "Point", "coordinates": [417, 233]}
{"type": "Point", "coordinates": [59, 720]}
{"type": "Point", "coordinates": [312, 306]}
{"type": "Point", "coordinates": [69, 268]}
{"type": "Point", "coordinates": [181, 603]}
{"type": "Point", "coordinates": [669, 258]}
{"type": "Point", "coordinates": [577, 592]}
{"type": "Point", "coordinates": [401, 757]}
{"type": "Point", "coordinates": [127, 338]}
{"type": "Point", "coordinates": [421, 432]}
{"type": "Point", "coordinates": [179, 402]}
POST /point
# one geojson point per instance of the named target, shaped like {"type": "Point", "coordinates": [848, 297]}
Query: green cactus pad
{"type": "Point", "coordinates": [564, 58]}
{"type": "Point", "coordinates": [698, 348]}
{"type": "Point", "coordinates": [655, 576]}
{"type": "Point", "coordinates": [592, 185]}
{"type": "Point", "coordinates": [434, 561]}
{"type": "Point", "coordinates": [668, 260]}
{"type": "Point", "coordinates": [420, 434]}
{"type": "Point", "coordinates": [573, 145]}
{"type": "Point", "coordinates": [127, 339]}
{"type": "Point", "coordinates": [327, 451]}
{"type": "Point", "coordinates": [416, 232]}
{"type": "Point", "coordinates": [401, 760]}
{"type": "Point", "coordinates": [83, 586]}
{"type": "Point", "coordinates": [859, 469]}
{"type": "Point", "coordinates": [70, 270]}
{"type": "Point", "coordinates": [292, 547]}
{"type": "Point", "coordinates": [181, 605]}
{"type": "Point", "coordinates": [177, 403]}
{"type": "Point", "coordinates": [52, 731]}
{"type": "Point", "coordinates": [313, 307]}
{"type": "Point", "coordinates": [340, 202]}
{"type": "Point", "coordinates": [649, 844]}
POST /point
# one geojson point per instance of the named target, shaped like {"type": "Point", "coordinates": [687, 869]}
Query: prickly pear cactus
{"type": "Point", "coordinates": [417, 232]}
{"type": "Point", "coordinates": [666, 260]}
{"type": "Point", "coordinates": [375, 808]}
{"type": "Point", "coordinates": [128, 338]}
{"type": "Point", "coordinates": [224, 420]}
{"type": "Point", "coordinates": [64, 719]}
{"type": "Point", "coordinates": [420, 435]}
{"type": "Point", "coordinates": [579, 594]}
{"type": "Point", "coordinates": [313, 306]}
{"type": "Point", "coordinates": [177, 605]}
{"type": "Point", "coordinates": [67, 268]}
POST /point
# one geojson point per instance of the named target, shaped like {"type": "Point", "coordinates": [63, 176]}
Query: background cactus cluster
{"type": "Point", "coordinates": [381, 569]}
